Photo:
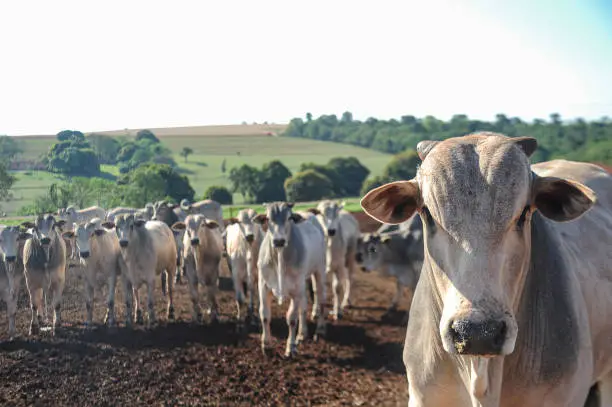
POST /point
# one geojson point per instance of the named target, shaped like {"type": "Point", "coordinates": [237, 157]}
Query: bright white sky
{"type": "Point", "coordinates": [128, 64]}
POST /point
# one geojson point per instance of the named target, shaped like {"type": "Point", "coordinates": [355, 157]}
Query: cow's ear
{"type": "Point", "coordinates": [392, 203]}
{"type": "Point", "coordinates": [296, 218]}
{"type": "Point", "coordinates": [139, 222]}
{"type": "Point", "coordinates": [24, 236]}
{"type": "Point", "coordinates": [99, 232]}
{"type": "Point", "coordinates": [108, 225]}
{"type": "Point", "coordinates": [68, 235]}
{"type": "Point", "coordinates": [528, 144]}
{"type": "Point", "coordinates": [28, 224]}
{"type": "Point", "coordinates": [211, 224]}
{"type": "Point", "coordinates": [424, 147]}
{"type": "Point", "coordinates": [178, 226]}
{"type": "Point", "coordinates": [261, 219]}
{"type": "Point", "coordinates": [562, 200]}
{"type": "Point", "coordinates": [233, 221]}
{"type": "Point", "coordinates": [314, 211]}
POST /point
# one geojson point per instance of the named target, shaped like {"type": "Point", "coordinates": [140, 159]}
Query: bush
{"type": "Point", "coordinates": [308, 185]}
{"type": "Point", "coordinates": [146, 135]}
{"type": "Point", "coordinates": [372, 183]}
{"type": "Point", "coordinates": [219, 194]}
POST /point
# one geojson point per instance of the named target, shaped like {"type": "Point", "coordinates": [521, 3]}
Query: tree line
{"type": "Point", "coordinates": [578, 140]}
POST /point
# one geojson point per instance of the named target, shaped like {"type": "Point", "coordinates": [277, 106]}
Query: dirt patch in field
{"type": "Point", "coordinates": [359, 363]}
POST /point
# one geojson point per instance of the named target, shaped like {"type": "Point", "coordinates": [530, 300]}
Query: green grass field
{"type": "Point", "coordinates": [237, 145]}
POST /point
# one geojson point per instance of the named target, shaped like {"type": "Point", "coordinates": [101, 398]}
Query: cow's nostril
{"type": "Point", "coordinates": [11, 259]}
{"type": "Point", "coordinates": [478, 337]}
{"type": "Point", "coordinates": [279, 242]}
{"type": "Point", "coordinates": [195, 242]}
{"type": "Point", "coordinates": [250, 238]}
{"type": "Point", "coordinates": [84, 255]}
{"type": "Point", "coordinates": [45, 240]}
{"type": "Point", "coordinates": [123, 243]}
{"type": "Point", "coordinates": [331, 232]}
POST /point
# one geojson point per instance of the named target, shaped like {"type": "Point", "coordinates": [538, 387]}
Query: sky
{"type": "Point", "coordinates": [106, 65]}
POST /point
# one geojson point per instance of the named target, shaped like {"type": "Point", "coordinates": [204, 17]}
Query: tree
{"type": "Point", "coordinates": [185, 152]}
{"type": "Point", "coordinates": [245, 180]}
{"type": "Point", "coordinates": [402, 167]}
{"type": "Point", "coordinates": [146, 135]}
{"type": "Point", "coordinates": [372, 183]}
{"type": "Point", "coordinates": [350, 174]}
{"type": "Point", "coordinates": [223, 168]}
{"type": "Point", "coordinates": [271, 180]}
{"type": "Point", "coordinates": [6, 183]}
{"type": "Point", "coordinates": [9, 148]}
{"type": "Point", "coordinates": [151, 182]}
{"type": "Point", "coordinates": [69, 158]}
{"type": "Point", "coordinates": [219, 194]}
{"type": "Point", "coordinates": [106, 148]}
{"type": "Point", "coordinates": [308, 185]}
{"type": "Point", "coordinates": [70, 135]}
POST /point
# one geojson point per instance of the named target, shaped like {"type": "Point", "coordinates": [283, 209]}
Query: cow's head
{"type": "Point", "coordinates": [245, 219]}
{"type": "Point", "coordinates": [330, 213]}
{"type": "Point", "coordinates": [44, 230]}
{"type": "Point", "coordinates": [476, 196]}
{"type": "Point", "coordinates": [10, 237]}
{"type": "Point", "coordinates": [191, 227]}
{"type": "Point", "coordinates": [82, 233]}
{"type": "Point", "coordinates": [368, 253]}
{"type": "Point", "coordinates": [164, 212]}
{"type": "Point", "coordinates": [280, 218]}
{"type": "Point", "coordinates": [125, 227]}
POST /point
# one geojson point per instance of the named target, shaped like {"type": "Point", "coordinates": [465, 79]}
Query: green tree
{"type": "Point", "coordinates": [73, 158]}
{"type": "Point", "coordinates": [223, 166]}
{"type": "Point", "coordinates": [70, 135]}
{"type": "Point", "coordinates": [151, 182]}
{"type": "Point", "coordinates": [186, 152]}
{"type": "Point", "coordinates": [219, 194]}
{"type": "Point", "coordinates": [106, 148]}
{"type": "Point", "coordinates": [9, 148]}
{"type": "Point", "coordinates": [271, 180]}
{"type": "Point", "coordinates": [372, 183]}
{"type": "Point", "coordinates": [146, 135]}
{"type": "Point", "coordinates": [402, 167]}
{"type": "Point", "coordinates": [6, 183]}
{"type": "Point", "coordinates": [350, 174]}
{"type": "Point", "coordinates": [308, 185]}
{"type": "Point", "coordinates": [245, 180]}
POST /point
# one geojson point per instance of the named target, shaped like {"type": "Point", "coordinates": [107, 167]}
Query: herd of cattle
{"type": "Point", "coordinates": [508, 265]}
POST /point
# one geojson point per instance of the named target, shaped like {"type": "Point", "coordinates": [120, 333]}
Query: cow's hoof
{"type": "Point", "coordinates": [268, 352]}
{"type": "Point", "coordinates": [139, 318]}
{"type": "Point", "coordinates": [171, 316]}
{"type": "Point", "coordinates": [291, 353]}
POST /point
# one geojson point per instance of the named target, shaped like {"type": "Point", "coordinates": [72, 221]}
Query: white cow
{"type": "Point", "coordinates": [11, 270]}
{"type": "Point", "coordinates": [293, 249]}
{"type": "Point", "coordinates": [342, 231]}
{"type": "Point", "coordinates": [244, 237]}
{"type": "Point", "coordinates": [102, 262]}
{"type": "Point", "coordinates": [148, 251]}
{"type": "Point", "coordinates": [73, 215]}
{"type": "Point", "coordinates": [202, 253]}
{"type": "Point", "coordinates": [145, 213]}
{"type": "Point", "coordinates": [210, 209]}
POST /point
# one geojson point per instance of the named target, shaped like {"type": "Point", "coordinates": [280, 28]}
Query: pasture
{"type": "Point", "coordinates": [237, 145]}
{"type": "Point", "coordinates": [180, 363]}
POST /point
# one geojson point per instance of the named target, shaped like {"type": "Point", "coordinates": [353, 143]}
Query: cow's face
{"type": "Point", "coordinates": [330, 212]}
{"type": "Point", "coordinates": [125, 227]}
{"type": "Point", "coordinates": [279, 217]}
{"type": "Point", "coordinates": [162, 211]}
{"type": "Point", "coordinates": [368, 253]}
{"type": "Point", "coordinates": [245, 219]}
{"type": "Point", "coordinates": [10, 236]}
{"type": "Point", "coordinates": [82, 233]}
{"type": "Point", "coordinates": [476, 195]}
{"type": "Point", "coordinates": [191, 228]}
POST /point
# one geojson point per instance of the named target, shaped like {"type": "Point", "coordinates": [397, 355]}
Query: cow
{"type": "Point", "coordinates": [171, 214]}
{"type": "Point", "coordinates": [398, 254]}
{"type": "Point", "coordinates": [148, 250]}
{"type": "Point", "coordinates": [210, 209]}
{"type": "Point", "coordinates": [11, 270]}
{"type": "Point", "coordinates": [202, 253]}
{"type": "Point", "coordinates": [244, 237]}
{"type": "Point", "coordinates": [72, 215]}
{"type": "Point", "coordinates": [292, 250]}
{"type": "Point", "coordinates": [342, 231]}
{"type": "Point", "coordinates": [145, 213]}
{"type": "Point", "coordinates": [514, 302]}
{"type": "Point", "coordinates": [44, 259]}
{"type": "Point", "coordinates": [102, 263]}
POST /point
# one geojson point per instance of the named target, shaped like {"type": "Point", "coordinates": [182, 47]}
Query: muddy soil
{"type": "Point", "coordinates": [359, 363]}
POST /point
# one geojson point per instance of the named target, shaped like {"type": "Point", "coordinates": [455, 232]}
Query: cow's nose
{"type": "Point", "coordinates": [45, 240]}
{"type": "Point", "coordinates": [85, 254]}
{"type": "Point", "coordinates": [478, 337]}
{"type": "Point", "coordinates": [123, 243]}
{"type": "Point", "coordinates": [10, 259]}
{"type": "Point", "coordinates": [359, 257]}
{"type": "Point", "coordinates": [279, 242]}
{"type": "Point", "coordinates": [195, 242]}
{"type": "Point", "coordinates": [250, 238]}
{"type": "Point", "coordinates": [331, 232]}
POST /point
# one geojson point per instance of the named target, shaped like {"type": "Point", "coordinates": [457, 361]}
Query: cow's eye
{"type": "Point", "coordinates": [521, 220]}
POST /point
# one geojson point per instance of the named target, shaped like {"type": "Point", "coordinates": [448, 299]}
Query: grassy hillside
{"type": "Point", "coordinates": [237, 145]}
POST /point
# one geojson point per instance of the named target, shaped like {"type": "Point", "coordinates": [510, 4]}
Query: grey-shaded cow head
{"type": "Point", "coordinates": [164, 212]}
{"type": "Point", "coordinates": [330, 213]}
{"type": "Point", "coordinates": [10, 236]}
{"type": "Point", "coordinates": [125, 227]}
{"type": "Point", "coordinates": [82, 233]}
{"type": "Point", "coordinates": [192, 225]}
{"type": "Point", "coordinates": [43, 229]}
{"type": "Point", "coordinates": [246, 220]}
{"type": "Point", "coordinates": [280, 218]}
{"type": "Point", "coordinates": [476, 196]}
{"type": "Point", "coordinates": [368, 253]}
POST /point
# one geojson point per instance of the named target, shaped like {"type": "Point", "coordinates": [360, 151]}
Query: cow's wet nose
{"type": "Point", "coordinates": [478, 337]}
{"type": "Point", "coordinates": [195, 242]}
{"type": "Point", "coordinates": [123, 243]}
{"type": "Point", "coordinates": [331, 232]}
{"type": "Point", "coordinates": [279, 242]}
{"type": "Point", "coordinates": [84, 255]}
{"type": "Point", "coordinates": [45, 240]}
{"type": "Point", "coordinates": [250, 238]}
{"type": "Point", "coordinates": [10, 259]}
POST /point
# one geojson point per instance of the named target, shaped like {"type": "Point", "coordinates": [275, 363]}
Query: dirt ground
{"type": "Point", "coordinates": [181, 363]}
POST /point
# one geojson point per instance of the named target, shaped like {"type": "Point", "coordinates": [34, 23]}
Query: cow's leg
{"type": "Point", "coordinates": [347, 277]}
{"type": "Point", "coordinates": [11, 310]}
{"type": "Point", "coordinates": [211, 280]}
{"type": "Point", "coordinates": [36, 303]}
{"type": "Point", "coordinates": [57, 290]}
{"type": "Point", "coordinates": [238, 288]}
{"type": "Point", "coordinates": [396, 299]}
{"type": "Point", "coordinates": [110, 301]}
{"type": "Point", "coordinates": [303, 309]}
{"type": "Point", "coordinates": [192, 281]}
{"type": "Point", "coordinates": [319, 276]}
{"type": "Point", "coordinates": [315, 301]}
{"type": "Point", "coordinates": [178, 268]}
{"type": "Point", "coordinates": [128, 293]}
{"type": "Point", "coordinates": [265, 314]}
{"type": "Point", "coordinates": [336, 312]}
{"type": "Point", "coordinates": [89, 299]}
{"type": "Point", "coordinates": [251, 292]}
{"type": "Point", "coordinates": [605, 391]}
{"type": "Point", "coordinates": [150, 303]}
{"type": "Point", "coordinates": [292, 322]}
{"type": "Point", "coordinates": [171, 296]}
{"type": "Point", "coordinates": [137, 308]}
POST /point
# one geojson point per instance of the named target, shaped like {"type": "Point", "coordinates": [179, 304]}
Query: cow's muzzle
{"type": "Point", "coordinates": [10, 259]}
{"type": "Point", "coordinates": [478, 337]}
{"type": "Point", "coordinates": [331, 232]}
{"type": "Point", "coordinates": [279, 242]}
{"type": "Point", "coordinates": [84, 255]}
{"type": "Point", "coordinates": [250, 238]}
{"type": "Point", "coordinates": [45, 241]}
{"type": "Point", "coordinates": [195, 242]}
{"type": "Point", "coordinates": [123, 243]}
